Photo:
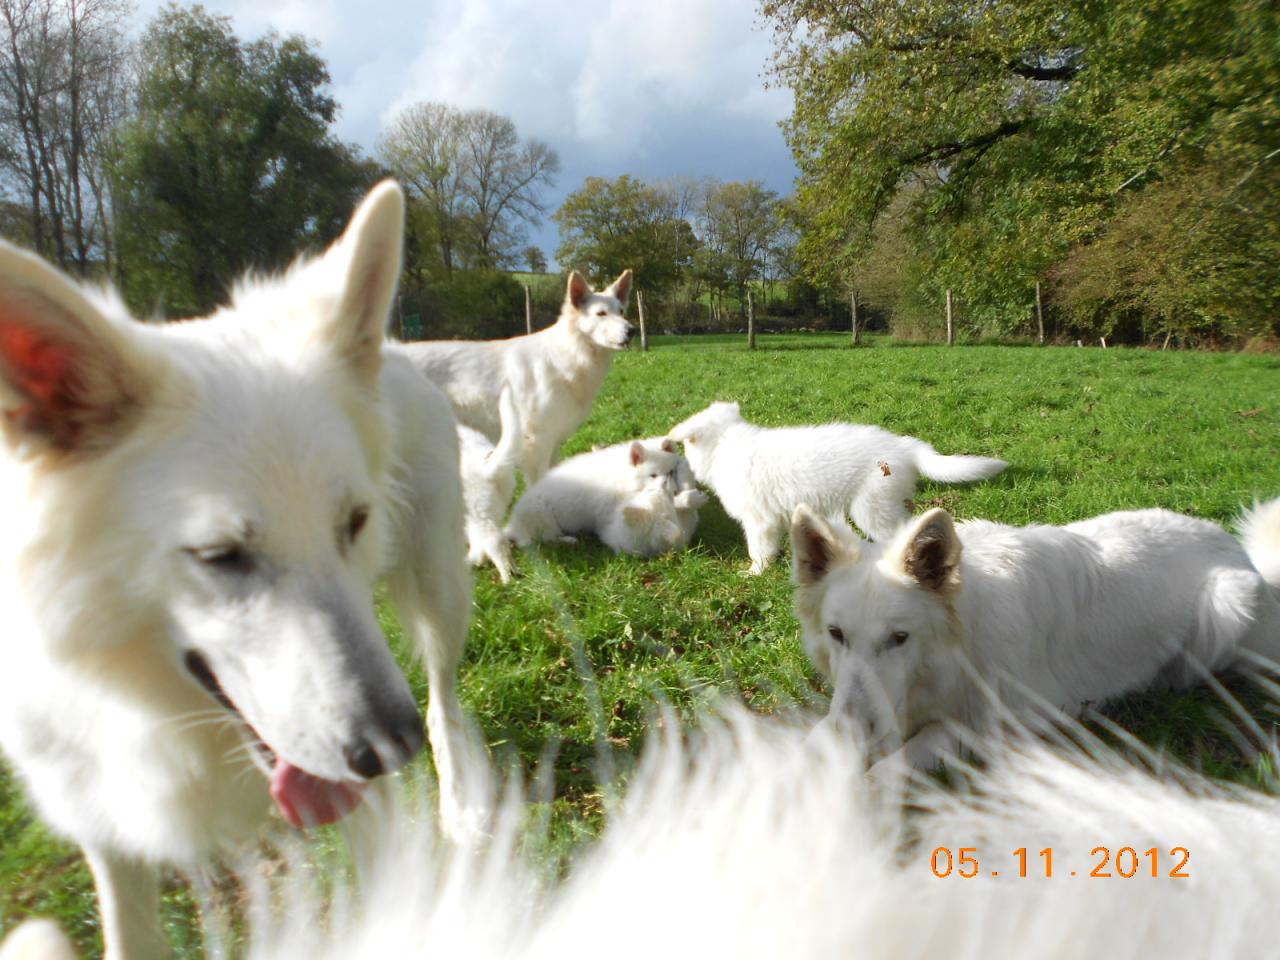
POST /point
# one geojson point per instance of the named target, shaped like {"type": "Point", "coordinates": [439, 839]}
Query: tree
{"type": "Point", "coordinates": [607, 226]}
{"type": "Point", "coordinates": [536, 259]}
{"type": "Point", "coordinates": [1023, 127]}
{"type": "Point", "coordinates": [481, 184]}
{"type": "Point", "coordinates": [739, 223]}
{"type": "Point", "coordinates": [228, 162]}
{"type": "Point", "coordinates": [62, 65]}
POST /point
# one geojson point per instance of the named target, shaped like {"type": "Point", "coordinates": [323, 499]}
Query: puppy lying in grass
{"type": "Point", "coordinates": [625, 494]}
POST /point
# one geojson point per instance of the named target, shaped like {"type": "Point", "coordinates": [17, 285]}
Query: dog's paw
{"type": "Point", "coordinates": [567, 541]}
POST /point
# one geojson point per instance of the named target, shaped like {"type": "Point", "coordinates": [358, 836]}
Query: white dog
{"type": "Point", "coordinates": [624, 494]}
{"type": "Point", "coordinates": [945, 626]}
{"type": "Point", "coordinates": [192, 521]}
{"type": "Point", "coordinates": [761, 475]}
{"type": "Point", "coordinates": [488, 484]}
{"type": "Point", "coordinates": [766, 843]}
{"type": "Point", "coordinates": [554, 374]}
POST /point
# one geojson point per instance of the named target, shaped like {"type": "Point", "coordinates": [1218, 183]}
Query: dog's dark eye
{"type": "Point", "coordinates": [898, 638]}
{"type": "Point", "coordinates": [355, 523]}
{"type": "Point", "coordinates": [836, 634]}
{"type": "Point", "coordinates": [223, 557]}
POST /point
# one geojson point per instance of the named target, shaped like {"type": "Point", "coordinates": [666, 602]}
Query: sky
{"type": "Point", "coordinates": [651, 88]}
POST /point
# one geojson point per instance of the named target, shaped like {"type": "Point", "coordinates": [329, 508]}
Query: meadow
{"type": "Point", "coordinates": [566, 664]}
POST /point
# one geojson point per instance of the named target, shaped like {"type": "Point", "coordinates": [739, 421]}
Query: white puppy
{"type": "Point", "coordinates": [762, 474]}
{"type": "Point", "coordinates": [192, 520]}
{"type": "Point", "coordinates": [934, 628]}
{"type": "Point", "coordinates": [488, 484]}
{"type": "Point", "coordinates": [596, 493]}
{"type": "Point", "coordinates": [554, 374]}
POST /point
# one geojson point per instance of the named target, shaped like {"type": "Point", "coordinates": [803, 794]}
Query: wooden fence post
{"type": "Point", "coordinates": [853, 304]}
{"type": "Point", "coordinates": [951, 330]}
{"type": "Point", "coordinates": [528, 310]}
{"type": "Point", "coordinates": [644, 336]}
{"type": "Point", "coordinates": [751, 322]}
{"type": "Point", "coordinates": [1039, 313]}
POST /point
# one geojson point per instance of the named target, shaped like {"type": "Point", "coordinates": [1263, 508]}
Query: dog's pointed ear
{"type": "Point", "coordinates": [668, 445]}
{"type": "Point", "coordinates": [71, 378]}
{"type": "Point", "coordinates": [815, 547]}
{"type": "Point", "coordinates": [620, 289]}
{"type": "Point", "coordinates": [929, 551]}
{"type": "Point", "coordinates": [637, 453]}
{"type": "Point", "coordinates": [577, 290]}
{"type": "Point", "coordinates": [371, 247]}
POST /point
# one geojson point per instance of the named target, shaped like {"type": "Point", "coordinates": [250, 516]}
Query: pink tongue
{"type": "Point", "coordinates": [308, 801]}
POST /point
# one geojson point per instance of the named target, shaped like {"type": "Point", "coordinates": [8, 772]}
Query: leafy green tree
{"type": "Point", "coordinates": [228, 163]}
{"type": "Point", "coordinates": [607, 226]}
{"type": "Point", "coordinates": [1022, 126]}
{"type": "Point", "coordinates": [740, 224]}
{"type": "Point", "coordinates": [536, 259]}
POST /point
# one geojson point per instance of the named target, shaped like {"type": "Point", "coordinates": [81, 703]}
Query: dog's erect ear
{"type": "Point", "coordinates": [71, 380]}
{"type": "Point", "coordinates": [371, 246]}
{"type": "Point", "coordinates": [637, 452]}
{"type": "Point", "coordinates": [577, 291]}
{"type": "Point", "coordinates": [620, 289]}
{"type": "Point", "coordinates": [668, 445]}
{"type": "Point", "coordinates": [815, 547]}
{"type": "Point", "coordinates": [930, 551]}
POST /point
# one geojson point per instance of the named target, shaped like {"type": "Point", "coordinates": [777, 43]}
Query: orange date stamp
{"type": "Point", "coordinates": [1124, 862]}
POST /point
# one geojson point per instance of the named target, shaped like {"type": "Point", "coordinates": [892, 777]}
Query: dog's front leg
{"type": "Point", "coordinates": [763, 541]}
{"type": "Point", "coordinates": [129, 904]}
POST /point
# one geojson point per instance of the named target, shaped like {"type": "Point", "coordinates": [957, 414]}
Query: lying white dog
{"type": "Point", "coordinates": [943, 627]}
{"type": "Point", "coordinates": [766, 843]}
{"type": "Point", "coordinates": [192, 521]}
{"type": "Point", "coordinates": [554, 374]}
{"type": "Point", "coordinates": [488, 484]}
{"type": "Point", "coordinates": [761, 475]}
{"type": "Point", "coordinates": [624, 494]}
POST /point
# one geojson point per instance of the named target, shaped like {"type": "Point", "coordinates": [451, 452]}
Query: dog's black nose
{"type": "Point", "coordinates": [631, 333]}
{"type": "Point", "coordinates": [363, 759]}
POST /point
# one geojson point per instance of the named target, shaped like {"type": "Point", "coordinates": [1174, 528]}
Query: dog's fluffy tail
{"type": "Point", "coordinates": [1260, 534]}
{"type": "Point", "coordinates": [955, 469]}
{"type": "Point", "coordinates": [507, 452]}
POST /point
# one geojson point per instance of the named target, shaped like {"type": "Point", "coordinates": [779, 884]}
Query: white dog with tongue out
{"type": "Point", "coordinates": [192, 520]}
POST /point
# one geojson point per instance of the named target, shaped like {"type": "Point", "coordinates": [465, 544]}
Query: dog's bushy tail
{"type": "Point", "coordinates": [507, 452]}
{"type": "Point", "coordinates": [955, 469]}
{"type": "Point", "coordinates": [1260, 534]}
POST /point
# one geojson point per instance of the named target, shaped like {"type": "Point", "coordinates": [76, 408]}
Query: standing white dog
{"type": "Point", "coordinates": [941, 624]}
{"type": "Point", "coordinates": [554, 374]}
{"type": "Point", "coordinates": [488, 484]}
{"type": "Point", "coordinates": [761, 475]}
{"type": "Point", "coordinates": [192, 520]}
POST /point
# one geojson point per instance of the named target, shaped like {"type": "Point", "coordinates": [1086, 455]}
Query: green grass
{"type": "Point", "coordinates": [573, 656]}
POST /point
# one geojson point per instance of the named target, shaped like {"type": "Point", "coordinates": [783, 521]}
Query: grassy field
{"type": "Point", "coordinates": [573, 655]}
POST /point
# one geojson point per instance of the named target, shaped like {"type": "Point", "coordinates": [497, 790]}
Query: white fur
{"type": "Point", "coordinates": [750, 840]}
{"type": "Point", "coordinates": [228, 488]}
{"type": "Point", "coordinates": [554, 374]}
{"type": "Point", "coordinates": [761, 475]}
{"type": "Point", "coordinates": [37, 940]}
{"type": "Point", "coordinates": [488, 484]}
{"type": "Point", "coordinates": [944, 627]}
{"type": "Point", "coordinates": [599, 493]}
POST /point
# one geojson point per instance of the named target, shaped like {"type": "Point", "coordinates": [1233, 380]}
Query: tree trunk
{"type": "Point", "coordinates": [528, 310]}
{"type": "Point", "coordinates": [644, 336]}
{"type": "Point", "coordinates": [751, 323]}
{"type": "Point", "coordinates": [853, 311]}
{"type": "Point", "coordinates": [1039, 313]}
{"type": "Point", "coordinates": [951, 330]}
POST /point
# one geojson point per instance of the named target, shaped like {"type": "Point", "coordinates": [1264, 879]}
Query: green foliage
{"type": "Point", "coordinates": [471, 304]}
{"type": "Point", "coordinates": [608, 226]}
{"type": "Point", "coordinates": [228, 162]}
{"type": "Point", "coordinates": [1021, 130]}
